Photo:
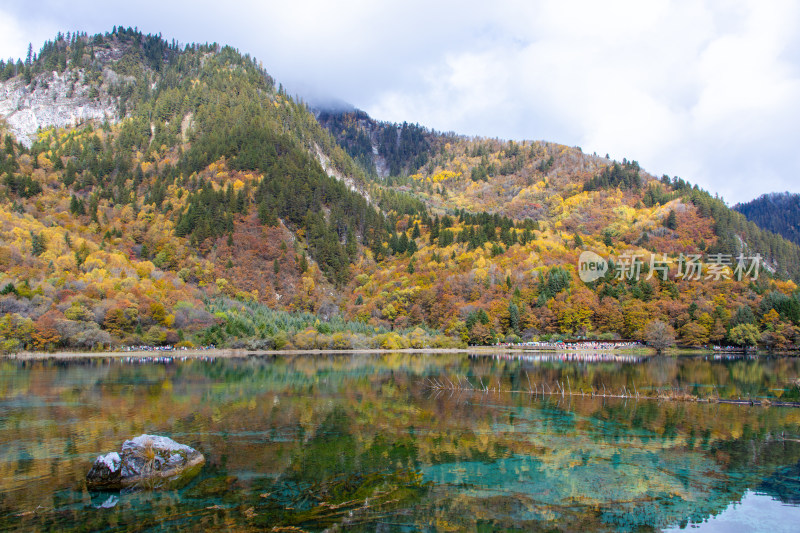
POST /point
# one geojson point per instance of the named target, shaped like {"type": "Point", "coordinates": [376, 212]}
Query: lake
{"type": "Point", "coordinates": [364, 442]}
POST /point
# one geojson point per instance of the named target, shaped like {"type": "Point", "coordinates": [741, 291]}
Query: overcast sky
{"type": "Point", "coordinates": [706, 90]}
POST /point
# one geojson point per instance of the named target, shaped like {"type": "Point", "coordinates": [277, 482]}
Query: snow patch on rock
{"type": "Point", "coordinates": [155, 441]}
{"type": "Point", "coordinates": [110, 460]}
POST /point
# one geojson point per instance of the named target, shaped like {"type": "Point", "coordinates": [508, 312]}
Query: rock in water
{"type": "Point", "coordinates": [147, 461]}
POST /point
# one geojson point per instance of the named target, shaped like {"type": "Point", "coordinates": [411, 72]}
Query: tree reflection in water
{"type": "Point", "coordinates": [358, 441]}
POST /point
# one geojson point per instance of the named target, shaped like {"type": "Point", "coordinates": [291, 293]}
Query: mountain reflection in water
{"type": "Point", "coordinates": [359, 441]}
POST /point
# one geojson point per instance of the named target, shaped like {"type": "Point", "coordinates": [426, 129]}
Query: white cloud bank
{"type": "Point", "coordinates": [707, 90]}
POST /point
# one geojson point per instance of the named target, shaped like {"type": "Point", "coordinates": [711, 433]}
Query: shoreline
{"type": "Point", "coordinates": [240, 353]}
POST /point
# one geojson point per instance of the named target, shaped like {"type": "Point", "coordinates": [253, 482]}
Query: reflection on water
{"type": "Point", "coordinates": [580, 357]}
{"type": "Point", "coordinates": [359, 441]}
{"type": "Point", "coordinates": [755, 512]}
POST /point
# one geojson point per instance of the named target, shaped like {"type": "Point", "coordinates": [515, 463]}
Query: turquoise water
{"type": "Point", "coordinates": [361, 442]}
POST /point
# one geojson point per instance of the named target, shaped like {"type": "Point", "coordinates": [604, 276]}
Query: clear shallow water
{"type": "Point", "coordinates": [360, 442]}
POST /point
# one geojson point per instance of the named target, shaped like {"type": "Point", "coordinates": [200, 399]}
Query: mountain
{"type": "Point", "coordinates": [776, 212]}
{"type": "Point", "coordinates": [157, 194]}
{"type": "Point", "coordinates": [382, 149]}
{"type": "Point", "coordinates": [528, 180]}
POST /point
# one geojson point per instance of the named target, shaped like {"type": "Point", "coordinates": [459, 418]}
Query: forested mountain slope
{"type": "Point", "coordinates": [776, 212]}
{"type": "Point", "coordinates": [534, 179]}
{"type": "Point", "coordinates": [204, 178]}
{"type": "Point", "coordinates": [207, 206]}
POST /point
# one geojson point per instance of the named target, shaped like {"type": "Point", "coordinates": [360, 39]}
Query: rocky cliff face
{"type": "Point", "coordinates": [54, 99]}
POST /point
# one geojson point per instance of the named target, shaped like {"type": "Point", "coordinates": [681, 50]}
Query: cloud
{"type": "Point", "coordinates": [708, 90]}
{"type": "Point", "coordinates": [687, 89]}
{"type": "Point", "coordinates": [16, 35]}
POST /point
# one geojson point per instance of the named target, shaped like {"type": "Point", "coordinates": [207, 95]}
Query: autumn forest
{"type": "Point", "coordinates": [210, 207]}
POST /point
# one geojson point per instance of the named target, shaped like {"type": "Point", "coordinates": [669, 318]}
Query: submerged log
{"type": "Point", "coordinates": [671, 395]}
